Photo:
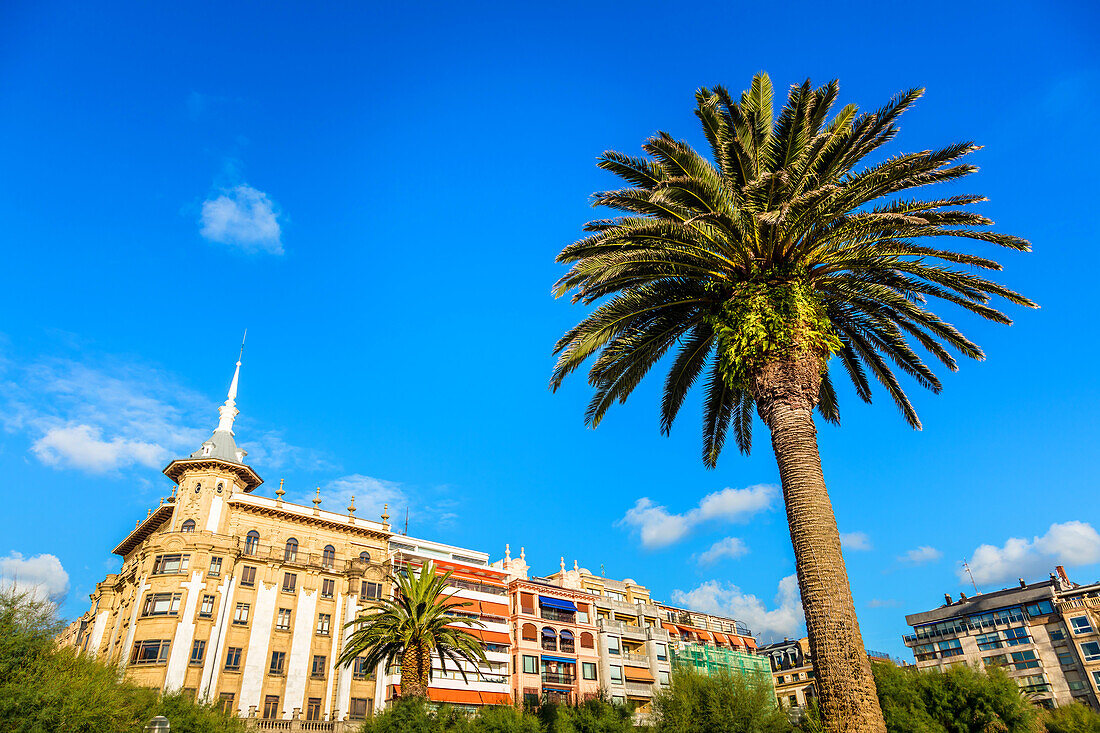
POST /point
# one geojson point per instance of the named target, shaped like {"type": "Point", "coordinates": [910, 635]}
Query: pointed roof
{"type": "Point", "coordinates": [221, 446]}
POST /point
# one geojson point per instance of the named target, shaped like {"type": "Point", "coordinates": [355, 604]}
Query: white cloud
{"type": "Point", "coordinates": [370, 493]}
{"type": "Point", "coordinates": [731, 547]}
{"type": "Point", "coordinates": [81, 446]}
{"type": "Point", "coordinates": [40, 575]}
{"type": "Point", "coordinates": [785, 620]}
{"type": "Point", "coordinates": [243, 217]}
{"type": "Point", "coordinates": [658, 527]}
{"type": "Point", "coordinates": [855, 541]}
{"type": "Point", "coordinates": [921, 555]}
{"type": "Point", "coordinates": [883, 603]}
{"type": "Point", "coordinates": [1069, 543]}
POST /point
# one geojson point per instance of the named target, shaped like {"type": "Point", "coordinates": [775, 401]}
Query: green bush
{"type": "Point", "coordinates": [726, 703]}
{"type": "Point", "coordinates": [411, 715]}
{"type": "Point", "coordinates": [1075, 718]}
{"type": "Point", "coordinates": [46, 689]}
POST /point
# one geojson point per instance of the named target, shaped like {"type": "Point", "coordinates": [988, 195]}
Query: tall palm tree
{"type": "Point", "coordinates": [762, 267]}
{"type": "Point", "coordinates": [412, 625]}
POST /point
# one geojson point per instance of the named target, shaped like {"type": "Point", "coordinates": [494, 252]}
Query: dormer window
{"type": "Point", "coordinates": [206, 448]}
{"type": "Point", "coordinates": [188, 526]}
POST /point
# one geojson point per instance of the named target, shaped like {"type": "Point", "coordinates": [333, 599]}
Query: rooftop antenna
{"type": "Point", "coordinates": [967, 568]}
{"type": "Point", "coordinates": [602, 574]}
{"type": "Point", "coordinates": [406, 520]}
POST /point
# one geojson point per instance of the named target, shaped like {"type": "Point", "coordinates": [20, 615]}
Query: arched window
{"type": "Point", "coordinates": [566, 641]}
{"type": "Point", "coordinates": [290, 554]}
{"type": "Point", "coordinates": [188, 526]}
{"type": "Point", "coordinates": [586, 641]}
{"type": "Point", "coordinates": [549, 639]}
{"type": "Point", "coordinates": [364, 556]}
{"type": "Point", "coordinates": [251, 542]}
{"type": "Point", "coordinates": [328, 559]}
{"type": "Point", "coordinates": [530, 633]}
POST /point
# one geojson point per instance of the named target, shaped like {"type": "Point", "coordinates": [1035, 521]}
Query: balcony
{"type": "Point", "coordinates": [550, 645]}
{"type": "Point", "coordinates": [559, 678]}
{"type": "Point", "coordinates": [567, 646]}
{"type": "Point", "coordinates": [638, 660]}
{"type": "Point", "coordinates": [636, 689]}
{"type": "Point", "coordinates": [555, 614]}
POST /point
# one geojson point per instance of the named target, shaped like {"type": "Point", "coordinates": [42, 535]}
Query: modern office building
{"type": "Point", "coordinates": [485, 589]}
{"type": "Point", "coordinates": [240, 598]}
{"type": "Point", "coordinates": [1021, 629]}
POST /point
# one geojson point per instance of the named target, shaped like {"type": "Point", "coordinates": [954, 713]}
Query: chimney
{"type": "Point", "coordinates": [1023, 583]}
{"type": "Point", "coordinates": [947, 598]}
{"type": "Point", "coordinates": [962, 596]}
{"type": "Point", "coordinates": [1062, 575]}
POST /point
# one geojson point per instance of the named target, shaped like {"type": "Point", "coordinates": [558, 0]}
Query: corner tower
{"type": "Point", "coordinates": [213, 473]}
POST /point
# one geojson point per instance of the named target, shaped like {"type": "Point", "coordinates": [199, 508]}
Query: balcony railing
{"type": "Point", "coordinates": [566, 646]}
{"type": "Point", "coordinates": [550, 645]}
{"type": "Point", "coordinates": [559, 678]}
{"type": "Point", "coordinates": [635, 689]}
{"type": "Point", "coordinates": [635, 658]}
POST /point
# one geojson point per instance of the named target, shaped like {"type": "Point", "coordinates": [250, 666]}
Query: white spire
{"type": "Point", "coordinates": [228, 411]}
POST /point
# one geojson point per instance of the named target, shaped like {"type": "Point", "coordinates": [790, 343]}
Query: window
{"type": "Point", "coordinates": [618, 700]}
{"type": "Point", "coordinates": [318, 670]}
{"type": "Point", "coordinates": [364, 556]}
{"type": "Point", "coordinates": [328, 556]}
{"type": "Point", "coordinates": [282, 620]}
{"type": "Point", "coordinates": [359, 669]}
{"type": "Point", "coordinates": [588, 670]}
{"type": "Point", "coordinates": [613, 645]}
{"type": "Point", "coordinates": [996, 660]}
{"type": "Point", "coordinates": [989, 641]}
{"type": "Point", "coordinates": [271, 706]}
{"type": "Point", "coordinates": [215, 566]}
{"type": "Point", "coordinates": [161, 604]}
{"type": "Point", "coordinates": [662, 653]}
{"type": "Point", "coordinates": [170, 564]}
{"type": "Point", "coordinates": [225, 702]}
{"type": "Point", "coordinates": [949, 648]}
{"type": "Point", "coordinates": [530, 697]}
{"type": "Point", "coordinates": [663, 678]}
{"type": "Point", "coordinates": [290, 553]}
{"type": "Point", "coordinates": [197, 650]}
{"type": "Point", "coordinates": [587, 641]}
{"type": "Point", "coordinates": [233, 658]}
{"type": "Point", "coordinates": [1015, 637]}
{"type": "Point", "coordinates": [1091, 650]}
{"type": "Point", "coordinates": [371, 590]}
{"type": "Point", "coordinates": [290, 580]}
{"type": "Point", "coordinates": [251, 542]}
{"type": "Point", "coordinates": [360, 706]}
{"type": "Point", "coordinates": [530, 633]}
{"type": "Point", "coordinates": [780, 679]}
{"type": "Point", "coordinates": [530, 665]}
{"type": "Point", "coordinates": [328, 588]}
{"type": "Point", "coordinates": [240, 614]}
{"type": "Point", "coordinates": [1096, 678]}
{"type": "Point", "coordinates": [206, 608]}
{"type": "Point", "coordinates": [1081, 625]}
{"type": "Point", "coordinates": [248, 576]}
{"type": "Point", "coordinates": [153, 651]}
{"type": "Point", "coordinates": [278, 661]}
{"type": "Point", "coordinates": [1043, 608]}
{"type": "Point", "coordinates": [324, 621]}
{"type": "Point", "coordinates": [313, 708]}
{"type": "Point", "coordinates": [616, 674]}
{"type": "Point", "coordinates": [793, 699]}
{"type": "Point", "coordinates": [1076, 685]}
{"type": "Point", "coordinates": [188, 526]}
{"type": "Point", "coordinates": [1024, 660]}
{"type": "Point", "coordinates": [1056, 634]}
{"type": "Point", "coordinates": [1065, 659]}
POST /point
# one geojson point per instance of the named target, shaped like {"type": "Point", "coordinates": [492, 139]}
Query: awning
{"type": "Point", "coordinates": [463, 697]}
{"type": "Point", "coordinates": [703, 634]}
{"type": "Point", "coordinates": [495, 698]}
{"type": "Point", "coordinates": [560, 660]}
{"type": "Point", "coordinates": [557, 603]}
{"type": "Point", "coordinates": [670, 628]}
{"type": "Point", "coordinates": [490, 637]}
{"type": "Point", "coordinates": [637, 674]}
{"type": "Point", "coordinates": [493, 609]}
{"type": "Point", "coordinates": [721, 638]}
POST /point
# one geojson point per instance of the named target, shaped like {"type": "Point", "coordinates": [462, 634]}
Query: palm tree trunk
{"type": "Point", "coordinates": [414, 672]}
{"type": "Point", "coordinates": [786, 392]}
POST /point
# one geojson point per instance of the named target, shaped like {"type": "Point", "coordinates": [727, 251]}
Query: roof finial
{"type": "Point", "coordinates": [228, 411]}
{"type": "Point", "coordinates": [279, 491]}
{"type": "Point", "coordinates": [317, 501]}
{"type": "Point", "coordinates": [563, 563]}
{"type": "Point", "coordinates": [507, 551]}
{"type": "Point", "coordinates": [351, 510]}
{"type": "Point", "coordinates": [385, 516]}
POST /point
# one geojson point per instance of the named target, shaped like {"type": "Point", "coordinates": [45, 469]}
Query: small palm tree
{"type": "Point", "coordinates": [412, 625]}
{"type": "Point", "coordinates": [761, 270]}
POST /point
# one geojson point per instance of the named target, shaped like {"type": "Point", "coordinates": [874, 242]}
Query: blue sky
{"type": "Point", "coordinates": [378, 194]}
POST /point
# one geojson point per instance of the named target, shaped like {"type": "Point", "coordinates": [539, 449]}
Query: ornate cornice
{"type": "Point", "coordinates": [248, 477]}
{"type": "Point", "coordinates": [308, 520]}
